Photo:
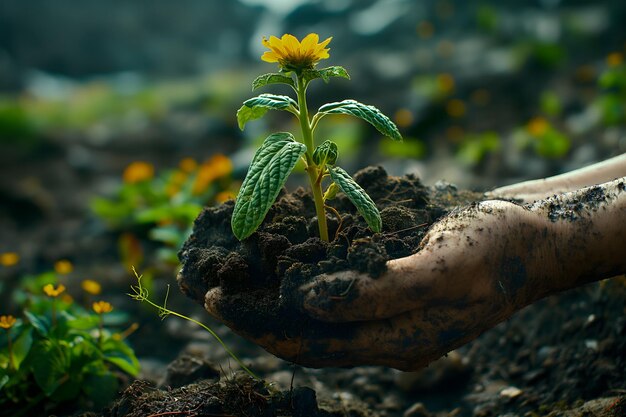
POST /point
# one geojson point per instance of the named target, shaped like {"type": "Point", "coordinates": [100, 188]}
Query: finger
{"type": "Point", "coordinates": [353, 296]}
{"type": "Point", "coordinates": [454, 254]}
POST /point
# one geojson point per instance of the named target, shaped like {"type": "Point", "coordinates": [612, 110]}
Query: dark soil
{"type": "Point", "coordinates": [286, 250]}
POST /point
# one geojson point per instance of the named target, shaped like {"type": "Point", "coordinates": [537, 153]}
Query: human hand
{"type": "Point", "coordinates": [476, 268]}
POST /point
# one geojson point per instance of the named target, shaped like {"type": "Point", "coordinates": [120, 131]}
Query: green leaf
{"type": "Point", "coordinates": [50, 365]}
{"type": "Point", "coordinates": [100, 388]}
{"type": "Point", "coordinates": [268, 172]}
{"type": "Point", "coordinates": [331, 192]}
{"type": "Point", "coordinates": [22, 346]}
{"type": "Point", "coordinates": [368, 113]}
{"type": "Point", "coordinates": [272, 78]}
{"type": "Point", "coordinates": [325, 73]}
{"type": "Point", "coordinates": [326, 153]}
{"type": "Point", "coordinates": [119, 353]}
{"type": "Point", "coordinates": [256, 107]}
{"type": "Point", "coordinates": [3, 380]}
{"type": "Point", "coordinates": [40, 323]}
{"type": "Point", "coordinates": [358, 196]}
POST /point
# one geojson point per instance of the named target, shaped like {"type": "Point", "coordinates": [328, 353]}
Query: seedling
{"type": "Point", "coordinates": [279, 153]}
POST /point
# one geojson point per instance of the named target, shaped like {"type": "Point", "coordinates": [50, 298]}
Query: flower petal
{"type": "Point", "coordinates": [291, 43]}
{"type": "Point", "coordinates": [309, 42]}
{"type": "Point", "coordinates": [269, 56]}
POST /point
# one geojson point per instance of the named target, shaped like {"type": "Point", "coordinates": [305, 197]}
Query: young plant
{"type": "Point", "coordinates": [61, 352]}
{"type": "Point", "coordinates": [279, 153]}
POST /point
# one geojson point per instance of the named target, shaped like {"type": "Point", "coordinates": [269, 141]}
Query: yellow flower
{"type": "Point", "coordinates": [403, 117]}
{"type": "Point", "coordinates": [455, 108]}
{"type": "Point", "coordinates": [293, 55]}
{"type": "Point", "coordinates": [63, 267]}
{"type": "Point", "coordinates": [224, 196]}
{"type": "Point", "coordinates": [138, 171]}
{"type": "Point", "coordinates": [6, 322]}
{"type": "Point", "coordinates": [614, 59]}
{"type": "Point", "coordinates": [90, 286]}
{"type": "Point", "coordinates": [216, 167]}
{"type": "Point", "coordinates": [51, 291]}
{"type": "Point", "coordinates": [102, 307]}
{"type": "Point", "coordinates": [9, 258]}
{"type": "Point", "coordinates": [537, 126]}
{"type": "Point", "coordinates": [188, 165]}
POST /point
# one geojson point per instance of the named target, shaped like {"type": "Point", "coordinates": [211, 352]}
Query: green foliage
{"type": "Point", "coordinates": [61, 352]}
{"type": "Point", "coordinates": [325, 154]}
{"type": "Point", "coordinates": [550, 104]}
{"type": "Point", "coordinates": [325, 73]}
{"type": "Point", "coordinates": [280, 152]}
{"type": "Point", "coordinates": [543, 138]}
{"type": "Point", "coordinates": [408, 148]}
{"type": "Point", "coordinates": [358, 197]}
{"type": "Point", "coordinates": [163, 207]}
{"type": "Point", "coordinates": [268, 172]}
{"type": "Point", "coordinates": [256, 107]}
{"type": "Point", "coordinates": [487, 18]}
{"type": "Point", "coordinates": [474, 148]}
{"type": "Point", "coordinates": [612, 102]}
{"type": "Point", "coordinates": [368, 113]}
{"type": "Point", "coordinates": [272, 78]}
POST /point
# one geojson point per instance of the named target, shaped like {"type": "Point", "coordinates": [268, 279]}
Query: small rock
{"type": "Point", "coordinates": [511, 392]}
{"type": "Point", "coordinates": [187, 369]}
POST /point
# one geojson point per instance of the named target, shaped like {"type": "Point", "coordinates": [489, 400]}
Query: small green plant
{"type": "Point", "coordinates": [612, 100]}
{"type": "Point", "coordinates": [60, 351]}
{"type": "Point", "coordinates": [163, 206]}
{"type": "Point", "coordinates": [545, 139]}
{"type": "Point", "coordinates": [279, 153]}
{"type": "Point", "coordinates": [140, 293]}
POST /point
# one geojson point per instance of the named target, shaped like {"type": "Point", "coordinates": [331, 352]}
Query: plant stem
{"type": "Point", "coordinates": [312, 169]}
{"type": "Point", "coordinates": [100, 330]}
{"type": "Point", "coordinates": [10, 348]}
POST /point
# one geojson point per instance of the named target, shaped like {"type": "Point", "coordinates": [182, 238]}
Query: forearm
{"type": "Point", "coordinates": [598, 173]}
{"type": "Point", "coordinates": [589, 229]}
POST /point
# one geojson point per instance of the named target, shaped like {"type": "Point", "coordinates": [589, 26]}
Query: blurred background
{"type": "Point", "coordinates": [117, 118]}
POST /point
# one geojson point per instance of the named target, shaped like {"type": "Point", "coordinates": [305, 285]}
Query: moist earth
{"type": "Point", "coordinates": [286, 250]}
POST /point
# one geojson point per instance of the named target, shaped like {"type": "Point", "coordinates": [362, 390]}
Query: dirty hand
{"type": "Point", "coordinates": [476, 267]}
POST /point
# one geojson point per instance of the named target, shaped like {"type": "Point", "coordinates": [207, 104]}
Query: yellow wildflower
{"type": "Point", "coordinates": [455, 108]}
{"type": "Point", "coordinates": [188, 165]}
{"type": "Point", "coordinates": [614, 59]}
{"type": "Point", "coordinates": [216, 167]}
{"type": "Point", "coordinates": [51, 291]}
{"type": "Point", "coordinates": [6, 322]}
{"type": "Point", "coordinates": [403, 117]}
{"type": "Point", "coordinates": [293, 55]}
{"type": "Point", "coordinates": [138, 171]}
{"type": "Point", "coordinates": [224, 196]}
{"type": "Point", "coordinates": [90, 286]}
{"type": "Point", "coordinates": [9, 258]}
{"type": "Point", "coordinates": [63, 267]}
{"type": "Point", "coordinates": [537, 126]}
{"type": "Point", "coordinates": [445, 83]}
{"type": "Point", "coordinates": [102, 307]}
